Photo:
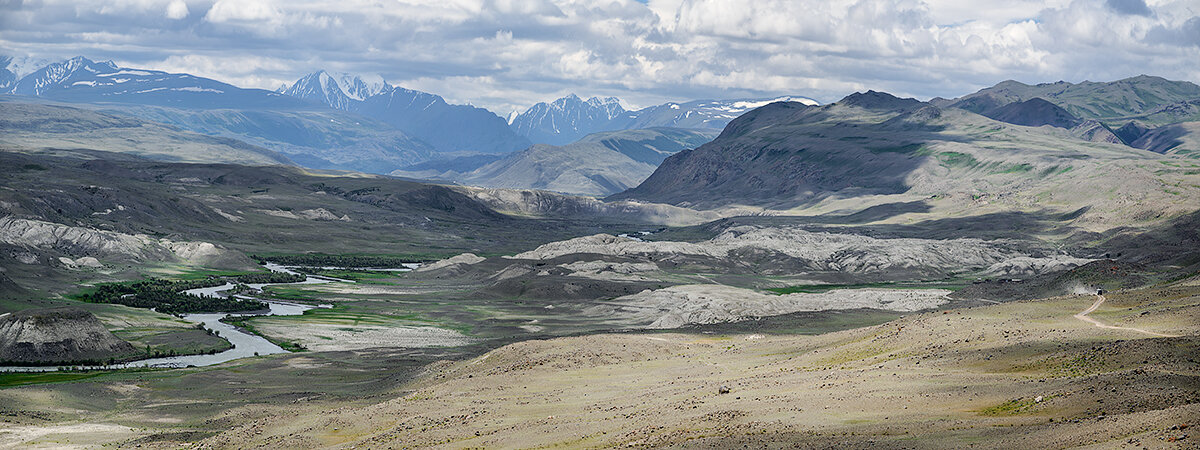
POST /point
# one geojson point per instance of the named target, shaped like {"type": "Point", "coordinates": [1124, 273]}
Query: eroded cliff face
{"type": "Point", "coordinates": [80, 242]}
{"type": "Point", "coordinates": [58, 336]}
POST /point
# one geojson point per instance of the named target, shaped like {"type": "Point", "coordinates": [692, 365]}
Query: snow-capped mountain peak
{"type": "Point", "coordinates": [360, 87]}
{"type": "Point", "coordinates": [746, 105]}
{"type": "Point", "coordinates": [55, 74]}
{"type": "Point", "coordinates": [568, 118]}
{"type": "Point", "coordinates": [337, 89]}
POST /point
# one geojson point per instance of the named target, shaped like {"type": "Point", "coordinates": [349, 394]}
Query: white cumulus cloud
{"type": "Point", "coordinates": [177, 10]}
{"type": "Point", "coordinates": [506, 54]}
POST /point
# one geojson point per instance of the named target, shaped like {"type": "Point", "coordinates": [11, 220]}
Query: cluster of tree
{"type": "Point", "coordinates": [319, 260]}
{"type": "Point", "coordinates": [166, 296]}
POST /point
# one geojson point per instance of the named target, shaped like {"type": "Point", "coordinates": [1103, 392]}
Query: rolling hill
{"type": "Point", "coordinates": [36, 126]}
{"type": "Point", "coordinates": [599, 164]}
{"type": "Point", "coordinates": [1143, 97]}
{"type": "Point", "coordinates": [874, 149]}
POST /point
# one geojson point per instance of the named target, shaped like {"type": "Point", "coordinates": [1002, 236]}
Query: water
{"type": "Point", "coordinates": [244, 344]}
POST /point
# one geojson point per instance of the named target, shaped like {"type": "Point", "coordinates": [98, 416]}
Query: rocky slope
{"type": "Point", "coordinates": [58, 335]}
{"type": "Point", "coordinates": [81, 242]}
{"type": "Point", "coordinates": [794, 249]}
{"type": "Point", "coordinates": [545, 204]}
{"type": "Point", "coordinates": [678, 306]}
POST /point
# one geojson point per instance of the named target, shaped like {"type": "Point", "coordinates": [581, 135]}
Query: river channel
{"type": "Point", "coordinates": [244, 344]}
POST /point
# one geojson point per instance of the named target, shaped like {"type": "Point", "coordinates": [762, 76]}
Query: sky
{"type": "Point", "coordinates": [505, 55]}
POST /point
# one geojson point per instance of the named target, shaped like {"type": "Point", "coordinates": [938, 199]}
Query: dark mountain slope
{"type": "Point", "coordinates": [1034, 112]}
{"type": "Point", "coordinates": [852, 155]}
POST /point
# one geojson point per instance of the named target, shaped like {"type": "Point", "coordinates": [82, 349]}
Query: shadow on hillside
{"type": "Point", "coordinates": [1006, 225]}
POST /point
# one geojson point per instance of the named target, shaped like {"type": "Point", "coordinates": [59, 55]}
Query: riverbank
{"type": "Point", "coordinates": [242, 343]}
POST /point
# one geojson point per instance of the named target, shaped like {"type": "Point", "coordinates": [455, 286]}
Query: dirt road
{"type": "Point", "coordinates": [1100, 300]}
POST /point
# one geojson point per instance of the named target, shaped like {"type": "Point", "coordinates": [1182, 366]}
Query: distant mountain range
{"type": "Point", "coordinates": [340, 121]}
{"type": "Point", "coordinates": [425, 116]}
{"type": "Point", "coordinates": [599, 164]}
{"type": "Point", "coordinates": [308, 134]}
{"type": "Point", "coordinates": [570, 118]}
{"type": "Point", "coordinates": [776, 153]}
{"type": "Point", "coordinates": [81, 80]}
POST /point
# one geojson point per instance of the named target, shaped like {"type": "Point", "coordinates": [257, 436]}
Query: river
{"type": "Point", "coordinates": [244, 344]}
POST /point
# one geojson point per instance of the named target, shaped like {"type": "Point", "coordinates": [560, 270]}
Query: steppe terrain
{"type": "Point", "coordinates": [1026, 373]}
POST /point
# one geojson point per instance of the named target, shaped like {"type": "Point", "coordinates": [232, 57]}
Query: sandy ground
{"type": "Point", "coordinates": [1015, 375]}
{"type": "Point", "coordinates": [61, 436]}
{"type": "Point", "coordinates": [335, 337]}
{"type": "Point", "coordinates": [1022, 374]}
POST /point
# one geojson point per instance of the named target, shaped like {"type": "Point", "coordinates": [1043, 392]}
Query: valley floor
{"type": "Point", "coordinates": [1021, 374]}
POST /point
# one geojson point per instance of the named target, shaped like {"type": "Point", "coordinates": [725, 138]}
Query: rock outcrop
{"type": "Point", "coordinates": [82, 242]}
{"type": "Point", "coordinates": [792, 249]}
{"type": "Point", "coordinates": [58, 336]}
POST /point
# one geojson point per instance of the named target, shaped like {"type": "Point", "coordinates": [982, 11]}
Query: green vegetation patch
{"type": "Point", "coordinates": [361, 276]}
{"type": "Point", "coordinates": [1014, 168]}
{"type": "Point", "coordinates": [244, 323]}
{"type": "Point", "coordinates": [957, 160]}
{"type": "Point", "coordinates": [291, 293]}
{"type": "Point", "coordinates": [1009, 408]}
{"type": "Point", "coordinates": [165, 296]}
{"type": "Point", "coordinates": [11, 379]}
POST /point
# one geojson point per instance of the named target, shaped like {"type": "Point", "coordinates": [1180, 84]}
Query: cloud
{"type": "Point", "coordinates": [1130, 7]}
{"type": "Point", "coordinates": [505, 54]}
{"type": "Point", "coordinates": [245, 11]}
{"type": "Point", "coordinates": [177, 10]}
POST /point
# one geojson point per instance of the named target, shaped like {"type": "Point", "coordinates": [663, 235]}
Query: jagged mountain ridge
{"type": "Point", "coordinates": [336, 90]}
{"type": "Point", "coordinates": [570, 118]}
{"type": "Point", "coordinates": [567, 119]}
{"type": "Point", "coordinates": [427, 117]}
